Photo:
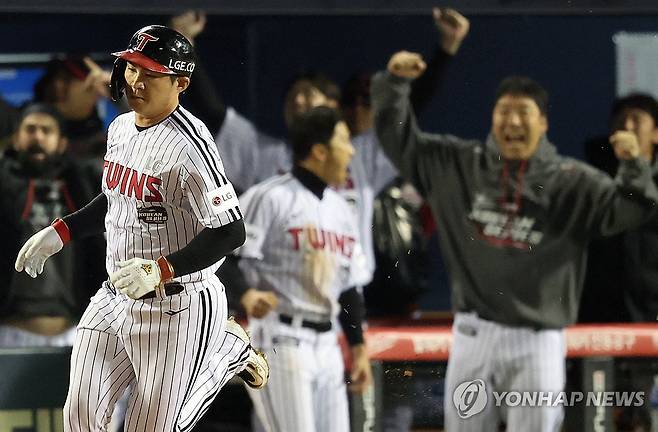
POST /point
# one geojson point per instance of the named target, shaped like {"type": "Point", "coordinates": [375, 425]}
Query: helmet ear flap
{"type": "Point", "coordinates": [117, 79]}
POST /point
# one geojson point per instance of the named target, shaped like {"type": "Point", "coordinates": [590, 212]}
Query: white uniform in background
{"type": "Point", "coordinates": [306, 250]}
{"type": "Point", "coordinates": [251, 157]}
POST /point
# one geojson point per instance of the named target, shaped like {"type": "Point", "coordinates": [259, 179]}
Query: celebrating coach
{"type": "Point", "coordinates": [515, 219]}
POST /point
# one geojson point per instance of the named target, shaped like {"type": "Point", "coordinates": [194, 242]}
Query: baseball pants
{"type": "Point", "coordinates": [173, 352]}
{"type": "Point", "coordinates": [306, 390]}
{"type": "Point", "coordinates": [505, 359]}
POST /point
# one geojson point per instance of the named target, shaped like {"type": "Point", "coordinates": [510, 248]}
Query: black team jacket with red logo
{"type": "Point", "coordinates": [29, 203]}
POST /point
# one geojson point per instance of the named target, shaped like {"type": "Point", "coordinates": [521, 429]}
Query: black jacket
{"type": "Point", "coordinates": [622, 274]}
{"type": "Point", "coordinates": [79, 184]}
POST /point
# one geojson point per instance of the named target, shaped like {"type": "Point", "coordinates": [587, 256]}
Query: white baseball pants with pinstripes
{"type": "Point", "coordinates": [306, 391]}
{"type": "Point", "coordinates": [506, 359]}
{"type": "Point", "coordinates": [174, 351]}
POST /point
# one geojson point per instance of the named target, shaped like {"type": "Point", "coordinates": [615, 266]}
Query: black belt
{"type": "Point", "coordinates": [317, 326]}
{"type": "Point", "coordinates": [170, 289]}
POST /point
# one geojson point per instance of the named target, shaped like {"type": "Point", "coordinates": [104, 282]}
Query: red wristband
{"type": "Point", "coordinates": [62, 230]}
{"type": "Point", "coordinates": [166, 269]}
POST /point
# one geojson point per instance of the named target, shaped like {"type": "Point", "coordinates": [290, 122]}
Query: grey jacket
{"type": "Point", "coordinates": [513, 233]}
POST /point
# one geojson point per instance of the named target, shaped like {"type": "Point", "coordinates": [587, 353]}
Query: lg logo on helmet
{"type": "Point", "coordinates": [181, 65]}
{"type": "Point", "coordinates": [143, 39]}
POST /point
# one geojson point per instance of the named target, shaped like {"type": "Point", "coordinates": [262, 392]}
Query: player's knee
{"type": "Point", "coordinates": [69, 407]}
{"type": "Point", "coordinates": [76, 415]}
{"type": "Point", "coordinates": [71, 416]}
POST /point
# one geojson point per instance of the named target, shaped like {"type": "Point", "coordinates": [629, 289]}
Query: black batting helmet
{"type": "Point", "coordinates": [156, 48]}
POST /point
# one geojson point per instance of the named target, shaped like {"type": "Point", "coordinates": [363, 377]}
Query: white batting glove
{"type": "Point", "coordinates": [37, 249]}
{"type": "Point", "coordinates": [137, 277]}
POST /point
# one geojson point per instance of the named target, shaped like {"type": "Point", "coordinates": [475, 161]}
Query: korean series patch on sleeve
{"type": "Point", "coordinates": [222, 199]}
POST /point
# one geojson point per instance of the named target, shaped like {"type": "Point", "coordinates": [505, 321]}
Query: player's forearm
{"type": "Point", "coordinates": [89, 220]}
{"type": "Point", "coordinates": [425, 87]}
{"type": "Point", "coordinates": [208, 247]}
{"type": "Point", "coordinates": [205, 100]}
{"type": "Point", "coordinates": [395, 122]}
{"type": "Point", "coordinates": [351, 316]}
{"type": "Point", "coordinates": [634, 201]}
{"type": "Point", "coordinates": [358, 350]}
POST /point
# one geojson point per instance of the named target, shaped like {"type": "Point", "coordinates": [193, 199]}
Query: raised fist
{"type": "Point", "coordinates": [625, 145]}
{"type": "Point", "coordinates": [453, 27]}
{"type": "Point", "coordinates": [406, 64]}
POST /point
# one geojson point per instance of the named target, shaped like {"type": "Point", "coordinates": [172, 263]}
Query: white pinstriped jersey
{"type": "Point", "coordinates": [252, 157]}
{"type": "Point", "coordinates": [163, 185]}
{"type": "Point", "coordinates": [303, 248]}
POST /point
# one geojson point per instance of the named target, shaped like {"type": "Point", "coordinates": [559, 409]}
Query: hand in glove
{"type": "Point", "coordinates": [41, 246]}
{"type": "Point", "coordinates": [138, 277]}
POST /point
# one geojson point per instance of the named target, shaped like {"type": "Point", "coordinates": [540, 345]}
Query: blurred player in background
{"type": "Point", "coordinates": [622, 261]}
{"type": "Point", "coordinates": [622, 276]}
{"type": "Point", "coordinates": [302, 245]}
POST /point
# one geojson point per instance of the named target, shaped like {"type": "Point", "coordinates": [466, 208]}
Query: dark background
{"type": "Point", "coordinates": [254, 57]}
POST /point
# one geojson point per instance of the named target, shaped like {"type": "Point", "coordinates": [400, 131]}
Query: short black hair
{"type": "Point", "coordinates": [320, 81]}
{"type": "Point", "coordinates": [327, 86]}
{"type": "Point", "coordinates": [523, 86]}
{"type": "Point", "coordinates": [43, 108]}
{"type": "Point", "coordinates": [314, 126]}
{"type": "Point", "coordinates": [641, 101]}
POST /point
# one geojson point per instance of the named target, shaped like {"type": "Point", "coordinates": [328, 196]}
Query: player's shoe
{"type": "Point", "coordinates": [257, 371]}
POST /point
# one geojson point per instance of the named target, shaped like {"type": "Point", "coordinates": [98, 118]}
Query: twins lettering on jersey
{"type": "Point", "coordinates": [131, 183]}
{"type": "Point", "coordinates": [322, 239]}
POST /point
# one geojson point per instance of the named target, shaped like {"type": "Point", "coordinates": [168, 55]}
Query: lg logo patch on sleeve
{"type": "Point", "coordinates": [222, 199]}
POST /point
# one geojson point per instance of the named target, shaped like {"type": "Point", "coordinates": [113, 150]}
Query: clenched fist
{"type": "Point", "coordinates": [625, 145]}
{"type": "Point", "coordinates": [190, 24]}
{"type": "Point", "coordinates": [453, 27]}
{"type": "Point", "coordinates": [406, 64]}
{"type": "Point", "coordinates": [257, 303]}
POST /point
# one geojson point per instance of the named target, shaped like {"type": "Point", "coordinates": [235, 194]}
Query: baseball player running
{"type": "Point", "coordinates": [515, 220]}
{"type": "Point", "coordinates": [170, 215]}
{"type": "Point", "coordinates": [302, 245]}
